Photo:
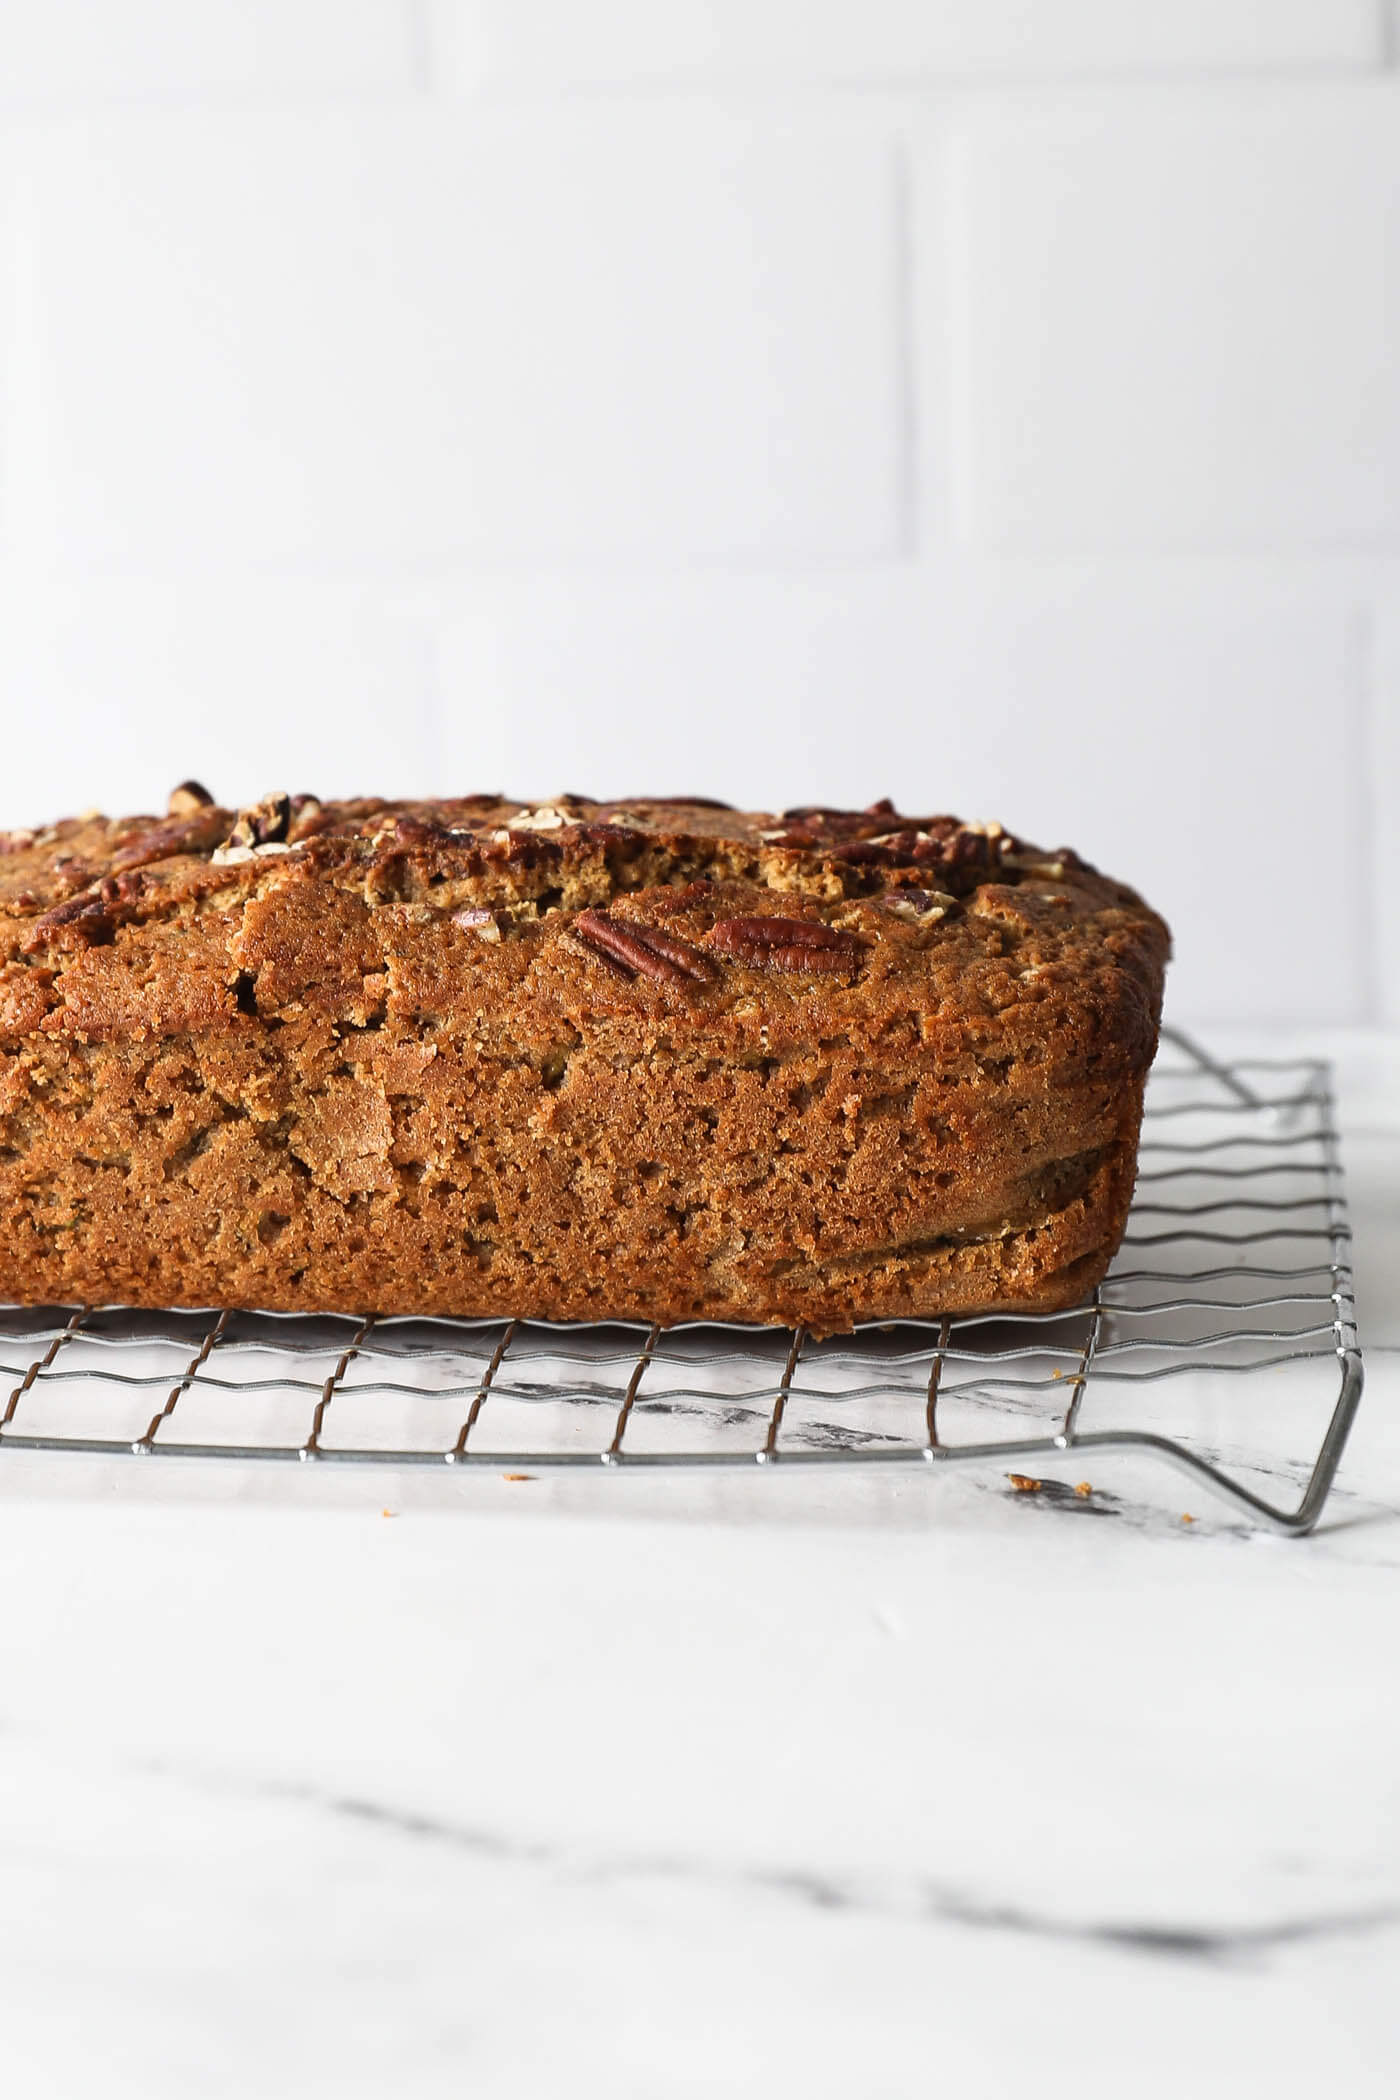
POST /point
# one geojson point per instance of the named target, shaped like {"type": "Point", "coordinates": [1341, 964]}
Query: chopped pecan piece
{"type": "Point", "coordinates": [1053, 867]}
{"type": "Point", "coordinates": [919, 907]}
{"type": "Point", "coordinates": [813, 825]}
{"type": "Point", "coordinates": [960, 853]}
{"type": "Point", "coordinates": [549, 816]}
{"type": "Point", "coordinates": [71, 873]}
{"type": "Point", "coordinates": [522, 849]}
{"type": "Point", "coordinates": [306, 817]}
{"type": "Point", "coordinates": [475, 918]}
{"type": "Point", "coordinates": [786, 944]}
{"type": "Point", "coordinates": [642, 950]}
{"type": "Point", "coordinates": [188, 799]}
{"type": "Point", "coordinates": [264, 824]}
{"type": "Point", "coordinates": [893, 849]}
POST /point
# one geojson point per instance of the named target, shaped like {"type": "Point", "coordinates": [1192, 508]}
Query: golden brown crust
{"type": "Point", "coordinates": [650, 1059]}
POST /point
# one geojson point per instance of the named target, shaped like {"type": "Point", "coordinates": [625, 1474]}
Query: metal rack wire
{"type": "Point", "coordinates": [1233, 1290]}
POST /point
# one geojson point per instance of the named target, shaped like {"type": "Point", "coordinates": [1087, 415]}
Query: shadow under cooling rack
{"type": "Point", "coordinates": [1223, 1341]}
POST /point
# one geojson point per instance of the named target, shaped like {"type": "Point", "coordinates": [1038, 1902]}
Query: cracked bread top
{"type": "Point", "coordinates": [804, 922]}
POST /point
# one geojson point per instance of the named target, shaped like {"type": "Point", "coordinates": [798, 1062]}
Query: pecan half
{"type": "Point", "coordinates": [188, 798]}
{"type": "Point", "coordinates": [846, 816]}
{"type": "Point", "coordinates": [786, 944]}
{"type": "Point", "coordinates": [616, 836]}
{"type": "Point", "coordinates": [195, 833]}
{"type": "Point", "coordinates": [411, 829]}
{"type": "Point", "coordinates": [91, 918]}
{"type": "Point", "coordinates": [682, 802]}
{"type": "Point", "coordinates": [642, 950]}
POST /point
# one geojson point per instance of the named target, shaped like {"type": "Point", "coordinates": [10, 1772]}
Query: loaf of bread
{"type": "Point", "coordinates": [651, 1060]}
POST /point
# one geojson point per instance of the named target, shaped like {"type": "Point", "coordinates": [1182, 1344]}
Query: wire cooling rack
{"type": "Point", "coordinates": [1222, 1341]}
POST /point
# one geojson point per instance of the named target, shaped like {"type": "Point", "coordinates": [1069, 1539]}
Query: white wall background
{"type": "Point", "coordinates": [995, 403]}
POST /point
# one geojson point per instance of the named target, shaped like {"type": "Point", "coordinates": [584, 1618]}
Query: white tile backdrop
{"type": "Point", "coordinates": [995, 403]}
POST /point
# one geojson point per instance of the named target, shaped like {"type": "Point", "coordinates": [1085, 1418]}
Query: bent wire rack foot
{"type": "Point", "coordinates": [1222, 1341]}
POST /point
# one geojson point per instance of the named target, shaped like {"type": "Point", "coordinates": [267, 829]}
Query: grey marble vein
{"type": "Point", "coordinates": [919, 1898]}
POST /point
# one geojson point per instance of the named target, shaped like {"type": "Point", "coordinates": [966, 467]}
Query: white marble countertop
{"type": "Point", "coordinates": [321, 1781]}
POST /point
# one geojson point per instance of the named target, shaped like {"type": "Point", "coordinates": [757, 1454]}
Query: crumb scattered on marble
{"type": "Point", "coordinates": [1186, 1517]}
{"type": "Point", "coordinates": [1083, 1487]}
{"type": "Point", "coordinates": [517, 1476]}
{"type": "Point", "coordinates": [1024, 1485]}
{"type": "Point", "coordinates": [388, 1512]}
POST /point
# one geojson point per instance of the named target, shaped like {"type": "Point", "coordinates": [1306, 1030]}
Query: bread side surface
{"type": "Point", "coordinates": [572, 1060]}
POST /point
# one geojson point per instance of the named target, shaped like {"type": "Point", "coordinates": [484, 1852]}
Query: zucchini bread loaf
{"type": "Point", "coordinates": [651, 1060]}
